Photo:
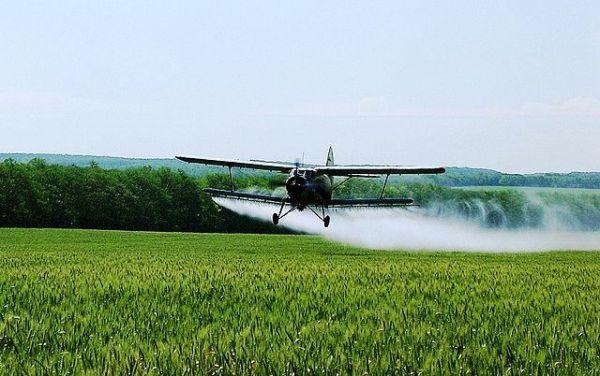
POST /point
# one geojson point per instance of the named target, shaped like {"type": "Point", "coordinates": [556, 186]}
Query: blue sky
{"type": "Point", "coordinates": [508, 85]}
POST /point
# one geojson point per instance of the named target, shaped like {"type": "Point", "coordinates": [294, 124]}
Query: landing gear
{"type": "Point", "coordinates": [322, 217]}
{"type": "Point", "coordinates": [278, 216]}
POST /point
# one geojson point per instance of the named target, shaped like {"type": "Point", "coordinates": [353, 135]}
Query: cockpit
{"type": "Point", "coordinates": [309, 174]}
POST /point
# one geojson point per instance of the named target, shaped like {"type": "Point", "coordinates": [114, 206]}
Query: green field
{"type": "Point", "coordinates": [118, 302]}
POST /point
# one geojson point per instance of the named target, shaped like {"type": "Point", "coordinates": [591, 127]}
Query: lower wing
{"type": "Point", "coordinates": [246, 196]}
{"type": "Point", "coordinates": [371, 202]}
{"type": "Point", "coordinates": [339, 203]}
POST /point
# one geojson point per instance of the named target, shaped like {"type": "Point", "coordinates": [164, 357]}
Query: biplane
{"type": "Point", "coordinates": [312, 187]}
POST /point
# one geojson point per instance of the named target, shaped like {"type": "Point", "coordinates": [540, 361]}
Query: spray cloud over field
{"type": "Point", "coordinates": [436, 227]}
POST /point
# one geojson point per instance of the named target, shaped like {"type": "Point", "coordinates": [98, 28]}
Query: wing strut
{"type": "Point", "coordinates": [384, 185]}
{"type": "Point", "coordinates": [340, 183]}
{"type": "Point", "coordinates": [231, 180]}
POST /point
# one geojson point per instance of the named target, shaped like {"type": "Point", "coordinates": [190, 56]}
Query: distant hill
{"type": "Point", "coordinates": [454, 177]}
{"type": "Point", "coordinates": [117, 163]}
{"type": "Point", "coordinates": [464, 176]}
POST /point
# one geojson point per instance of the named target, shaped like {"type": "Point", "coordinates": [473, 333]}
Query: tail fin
{"type": "Point", "coordinates": [329, 157]}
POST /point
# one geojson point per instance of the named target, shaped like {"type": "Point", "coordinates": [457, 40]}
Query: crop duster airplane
{"type": "Point", "coordinates": [312, 187]}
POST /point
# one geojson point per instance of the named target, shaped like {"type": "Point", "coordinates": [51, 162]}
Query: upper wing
{"type": "Point", "coordinates": [340, 203]}
{"type": "Point", "coordinates": [270, 166]}
{"type": "Point", "coordinates": [377, 170]}
{"type": "Point", "coordinates": [362, 202]}
{"type": "Point", "coordinates": [246, 196]}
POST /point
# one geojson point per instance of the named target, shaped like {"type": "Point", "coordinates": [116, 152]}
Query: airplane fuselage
{"type": "Point", "coordinates": [305, 188]}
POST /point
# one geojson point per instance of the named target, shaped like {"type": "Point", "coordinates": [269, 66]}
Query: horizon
{"type": "Point", "coordinates": [283, 161]}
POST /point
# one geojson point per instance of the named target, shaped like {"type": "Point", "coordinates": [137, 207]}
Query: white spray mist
{"type": "Point", "coordinates": [416, 229]}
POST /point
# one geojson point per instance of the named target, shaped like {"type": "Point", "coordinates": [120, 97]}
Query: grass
{"type": "Point", "coordinates": [117, 302]}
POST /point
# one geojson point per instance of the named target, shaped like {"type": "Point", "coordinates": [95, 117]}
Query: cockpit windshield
{"type": "Point", "coordinates": [309, 174]}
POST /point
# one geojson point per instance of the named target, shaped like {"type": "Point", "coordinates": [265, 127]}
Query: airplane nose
{"type": "Point", "coordinates": [295, 185]}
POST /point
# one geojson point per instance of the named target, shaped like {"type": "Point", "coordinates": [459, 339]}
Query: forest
{"type": "Point", "coordinates": [39, 194]}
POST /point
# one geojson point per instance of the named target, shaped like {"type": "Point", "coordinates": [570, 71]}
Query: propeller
{"type": "Point", "coordinates": [297, 164]}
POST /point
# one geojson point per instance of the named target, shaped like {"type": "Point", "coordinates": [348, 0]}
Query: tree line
{"type": "Point", "coordinates": [463, 177]}
{"type": "Point", "coordinates": [38, 194]}
{"type": "Point", "coordinates": [454, 176]}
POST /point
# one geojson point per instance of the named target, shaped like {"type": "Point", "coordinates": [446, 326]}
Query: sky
{"type": "Point", "coordinates": [511, 85]}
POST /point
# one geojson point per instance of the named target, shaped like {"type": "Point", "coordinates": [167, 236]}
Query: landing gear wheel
{"type": "Point", "coordinates": [326, 221]}
{"type": "Point", "coordinates": [275, 218]}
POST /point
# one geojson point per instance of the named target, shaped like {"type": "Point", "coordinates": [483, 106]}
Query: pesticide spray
{"type": "Point", "coordinates": [433, 228]}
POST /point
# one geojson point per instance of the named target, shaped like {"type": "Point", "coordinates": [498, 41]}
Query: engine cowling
{"type": "Point", "coordinates": [295, 185]}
